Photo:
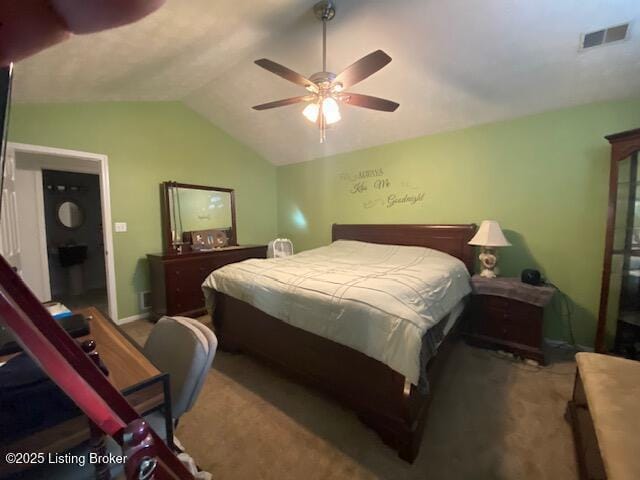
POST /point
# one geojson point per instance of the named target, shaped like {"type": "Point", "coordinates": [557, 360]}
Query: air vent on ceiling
{"type": "Point", "coordinates": [616, 33]}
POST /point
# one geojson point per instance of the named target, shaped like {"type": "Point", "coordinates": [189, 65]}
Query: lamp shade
{"type": "Point", "coordinates": [489, 235]}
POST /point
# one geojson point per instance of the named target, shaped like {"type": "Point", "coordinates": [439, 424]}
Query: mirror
{"type": "Point", "coordinates": [200, 216]}
{"type": "Point", "coordinates": [70, 214]}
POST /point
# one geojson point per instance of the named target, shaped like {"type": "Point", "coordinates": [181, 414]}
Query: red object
{"type": "Point", "coordinates": [63, 360]}
{"type": "Point", "coordinates": [29, 26]}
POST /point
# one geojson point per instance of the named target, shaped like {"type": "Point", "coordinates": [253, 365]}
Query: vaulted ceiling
{"type": "Point", "coordinates": [456, 63]}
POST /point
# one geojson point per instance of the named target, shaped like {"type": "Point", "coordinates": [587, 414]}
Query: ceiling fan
{"type": "Point", "coordinates": [325, 88]}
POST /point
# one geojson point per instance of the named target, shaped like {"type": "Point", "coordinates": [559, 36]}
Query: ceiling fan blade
{"type": "Point", "coordinates": [363, 68]}
{"type": "Point", "coordinates": [286, 73]}
{"type": "Point", "coordinates": [366, 101]}
{"type": "Point", "coordinates": [284, 102]}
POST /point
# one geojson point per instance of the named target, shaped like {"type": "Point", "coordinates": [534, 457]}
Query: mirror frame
{"type": "Point", "coordinates": [623, 145]}
{"type": "Point", "coordinates": [82, 213]}
{"type": "Point", "coordinates": [166, 210]}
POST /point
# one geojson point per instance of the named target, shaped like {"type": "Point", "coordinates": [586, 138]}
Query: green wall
{"type": "Point", "coordinates": [543, 177]}
{"type": "Point", "coordinates": [148, 143]}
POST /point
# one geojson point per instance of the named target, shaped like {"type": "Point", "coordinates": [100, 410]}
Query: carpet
{"type": "Point", "coordinates": [491, 418]}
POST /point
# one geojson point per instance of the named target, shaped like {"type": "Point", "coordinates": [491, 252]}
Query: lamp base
{"type": "Point", "coordinates": [486, 273]}
{"type": "Point", "coordinates": [488, 260]}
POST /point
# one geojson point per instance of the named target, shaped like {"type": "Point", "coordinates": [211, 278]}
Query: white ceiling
{"type": "Point", "coordinates": [455, 63]}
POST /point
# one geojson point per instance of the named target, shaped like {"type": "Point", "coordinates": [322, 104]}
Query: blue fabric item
{"type": "Point", "coordinates": [29, 400]}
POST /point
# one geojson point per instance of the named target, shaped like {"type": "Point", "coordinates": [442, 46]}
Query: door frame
{"type": "Point", "coordinates": [92, 160]}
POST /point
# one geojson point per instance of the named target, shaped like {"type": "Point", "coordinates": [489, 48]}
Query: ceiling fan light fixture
{"type": "Point", "coordinates": [311, 112]}
{"type": "Point", "coordinates": [331, 110]}
{"type": "Point", "coordinates": [326, 88]}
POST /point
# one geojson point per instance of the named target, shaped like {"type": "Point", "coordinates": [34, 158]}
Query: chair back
{"type": "Point", "coordinates": [184, 348]}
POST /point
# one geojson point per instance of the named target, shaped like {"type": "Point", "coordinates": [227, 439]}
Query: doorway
{"type": "Point", "coordinates": [59, 225]}
{"type": "Point", "coordinates": [74, 238]}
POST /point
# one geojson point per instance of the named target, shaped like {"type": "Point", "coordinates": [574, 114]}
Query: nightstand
{"type": "Point", "coordinates": [506, 314]}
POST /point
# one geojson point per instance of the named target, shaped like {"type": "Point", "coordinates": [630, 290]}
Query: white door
{"type": "Point", "coordinates": [34, 261]}
{"type": "Point", "coordinates": [9, 236]}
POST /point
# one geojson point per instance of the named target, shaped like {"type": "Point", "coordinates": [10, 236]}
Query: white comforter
{"type": "Point", "coordinates": [377, 299]}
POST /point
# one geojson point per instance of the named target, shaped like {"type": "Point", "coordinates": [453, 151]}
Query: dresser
{"type": "Point", "coordinates": [176, 278]}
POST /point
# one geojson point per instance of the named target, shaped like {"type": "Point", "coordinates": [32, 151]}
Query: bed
{"type": "Point", "coordinates": [370, 323]}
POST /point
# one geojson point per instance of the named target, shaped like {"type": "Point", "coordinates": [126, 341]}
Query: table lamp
{"type": "Point", "coordinates": [489, 236]}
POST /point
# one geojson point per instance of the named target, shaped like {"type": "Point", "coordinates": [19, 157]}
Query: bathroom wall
{"type": "Point", "coordinates": [89, 233]}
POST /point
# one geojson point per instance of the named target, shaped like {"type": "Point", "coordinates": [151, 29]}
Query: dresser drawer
{"type": "Point", "coordinates": [512, 328]}
{"type": "Point", "coordinates": [491, 302]}
{"type": "Point", "coordinates": [508, 320]}
{"type": "Point", "coordinates": [183, 286]}
{"type": "Point", "coordinates": [177, 279]}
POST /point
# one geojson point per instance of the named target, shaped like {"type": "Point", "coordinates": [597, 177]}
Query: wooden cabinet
{"type": "Point", "coordinates": [508, 321]}
{"type": "Point", "coordinates": [507, 324]}
{"type": "Point", "coordinates": [176, 278]}
{"type": "Point", "coordinates": [619, 314]}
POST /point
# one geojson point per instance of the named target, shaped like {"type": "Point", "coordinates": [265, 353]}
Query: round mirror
{"type": "Point", "coordinates": [70, 214]}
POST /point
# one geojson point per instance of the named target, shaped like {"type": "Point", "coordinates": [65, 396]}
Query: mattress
{"type": "Point", "coordinates": [377, 299]}
{"type": "Point", "coordinates": [433, 339]}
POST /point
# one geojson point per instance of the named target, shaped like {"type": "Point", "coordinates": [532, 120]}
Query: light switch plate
{"type": "Point", "coordinates": [121, 226]}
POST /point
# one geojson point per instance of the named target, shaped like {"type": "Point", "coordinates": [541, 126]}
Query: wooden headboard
{"type": "Point", "coordinates": [451, 239]}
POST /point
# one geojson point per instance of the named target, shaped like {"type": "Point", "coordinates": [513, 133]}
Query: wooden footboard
{"type": "Point", "coordinates": [379, 395]}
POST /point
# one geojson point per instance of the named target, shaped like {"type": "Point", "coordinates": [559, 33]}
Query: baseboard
{"type": "Point", "coordinates": [133, 318]}
{"type": "Point", "coordinates": [563, 344]}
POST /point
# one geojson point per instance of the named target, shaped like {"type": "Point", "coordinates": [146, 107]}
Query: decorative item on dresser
{"type": "Point", "coordinates": [176, 278]}
{"type": "Point", "coordinates": [489, 236]}
{"type": "Point", "coordinates": [506, 314]}
{"type": "Point", "coordinates": [619, 314]}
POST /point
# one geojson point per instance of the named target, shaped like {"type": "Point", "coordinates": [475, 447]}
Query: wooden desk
{"type": "Point", "coordinates": [144, 386]}
{"type": "Point", "coordinates": [126, 363]}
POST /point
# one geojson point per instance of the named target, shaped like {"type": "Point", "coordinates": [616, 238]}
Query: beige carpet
{"type": "Point", "coordinates": [491, 418]}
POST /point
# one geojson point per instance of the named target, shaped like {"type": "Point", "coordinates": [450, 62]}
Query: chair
{"type": "Point", "coordinates": [184, 348]}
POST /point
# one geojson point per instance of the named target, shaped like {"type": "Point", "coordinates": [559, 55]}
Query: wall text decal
{"type": "Point", "coordinates": [377, 189]}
